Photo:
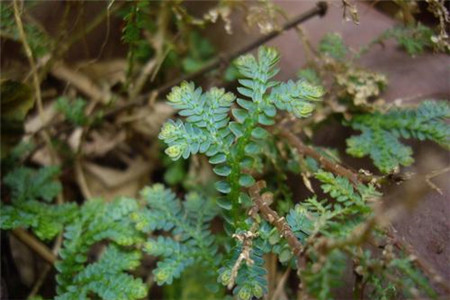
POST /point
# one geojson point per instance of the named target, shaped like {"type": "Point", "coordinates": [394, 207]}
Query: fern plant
{"type": "Point", "coordinates": [235, 148]}
{"type": "Point", "coordinates": [234, 145]}
{"type": "Point", "coordinates": [381, 132]}
{"type": "Point", "coordinates": [98, 221]}
{"type": "Point", "coordinates": [319, 237]}
{"type": "Point", "coordinates": [188, 221]}
{"type": "Point", "coordinates": [32, 193]}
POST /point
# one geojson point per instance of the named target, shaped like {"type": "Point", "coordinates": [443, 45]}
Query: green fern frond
{"type": "Point", "coordinates": [381, 133]}
{"type": "Point", "coordinates": [188, 221]}
{"type": "Point", "coordinates": [234, 146]}
{"type": "Point", "coordinates": [414, 39]}
{"type": "Point", "coordinates": [164, 210]}
{"type": "Point", "coordinates": [107, 279]}
{"type": "Point", "coordinates": [329, 218]}
{"type": "Point", "coordinates": [97, 221]}
{"type": "Point", "coordinates": [27, 186]}
{"type": "Point", "coordinates": [176, 258]}
{"type": "Point", "coordinates": [301, 221]}
{"type": "Point", "coordinates": [44, 219]}
{"type": "Point", "coordinates": [26, 183]}
{"type": "Point", "coordinates": [340, 189]}
{"type": "Point", "coordinates": [297, 98]}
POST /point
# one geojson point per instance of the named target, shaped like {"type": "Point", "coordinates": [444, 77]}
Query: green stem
{"type": "Point", "coordinates": [236, 170]}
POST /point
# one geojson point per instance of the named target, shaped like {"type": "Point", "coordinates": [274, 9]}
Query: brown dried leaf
{"type": "Point", "coordinates": [109, 183]}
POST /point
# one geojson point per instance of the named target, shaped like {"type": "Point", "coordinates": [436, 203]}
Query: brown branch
{"type": "Point", "coordinates": [327, 164]}
{"type": "Point", "coordinates": [35, 245]}
{"type": "Point", "coordinates": [37, 285]}
{"type": "Point", "coordinates": [271, 216]}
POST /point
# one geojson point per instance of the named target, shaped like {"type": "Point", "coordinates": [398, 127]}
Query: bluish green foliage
{"type": "Point", "coordinates": [234, 145]}
{"type": "Point", "coordinates": [98, 221]}
{"type": "Point", "coordinates": [106, 278]}
{"type": "Point", "coordinates": [251, 279]}
{"type": "Point", "coordinates": [334, 218]}
{"type": "Point", "coordinates": [26, 183]}
{"type": "Point", "coordinates": [29, 189]}
{"type": "Point", "coordinates": [337, 219]}
{"type": "Point", "coordinates": [340, 189]}
{"type": "Point", "coordinates": [31, 195]}
{"type": "Point", "coordinates": [188, 221]}
{"type": "Point", "coordinates": [232, 133]}
{"type": "Point", "coordinates": [301, 219]}
{"type": "Point", "coordinates": [381, 133]}
{"type": "Point", "coordinates": [333, 45]}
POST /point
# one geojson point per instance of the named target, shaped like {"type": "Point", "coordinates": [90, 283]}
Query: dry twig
{"type": "Point", "coordinates": [35, 245]}
{"type": "Point", "coordinates": [271, 216]}
{"type": "Point", "coordinates": [246, 239]}
{"type": "Point", "coordinates": [326, 163]}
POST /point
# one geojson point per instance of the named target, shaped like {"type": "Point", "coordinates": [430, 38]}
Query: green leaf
{"type": "Point", "coordinates": [270, 111]}
{"type": "Point", "coordinates": [265, 120]}
{"type": "Point", "coordinates": [218, 159]}
{"type": "Point", "coordinates": [236, 128]}
{"type": "Point", "coordinates": [73, 111]}
{"type": "Point", "coordinates": [259, 133]}
{"type": "Point", "coordinates": [223, 187]}
{"type": "Point", "coordinates": [381, 133]}
{"type": "Point", "coordinates": [224, 203]}
{"type": "Point", "coordinates": [246, 180]}
{"type": "Point", "coordinates": [245, 199]}
{"type": "Point", "coordinates": [248, 105]}
{"type": "Point", "coordinates": [240, 114]}
{"type": "Point", "coordinates": [246, 162]}
{"type": "Point", "coordinates": [285, 255]}
{"type": "Point", "coordinates": [252, 148]}
{"type": "Point", "coordinates": [222, 170]}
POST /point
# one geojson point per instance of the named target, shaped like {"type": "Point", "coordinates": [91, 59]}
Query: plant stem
{"type": "Point", "coordinates": [35, 245]}
{"type": "Point", "coordinates": [327, 164]}
{"type": "Point", "coordinates": [273, 218]}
